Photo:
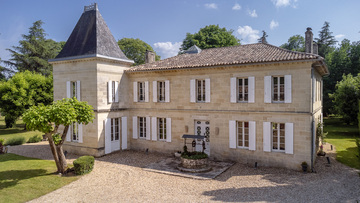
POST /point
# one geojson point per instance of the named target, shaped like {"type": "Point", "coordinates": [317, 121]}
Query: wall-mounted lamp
{"type": "Point", "coordinates": [186, 129]}
{"type": "Point", "coordinates": [217, 131]}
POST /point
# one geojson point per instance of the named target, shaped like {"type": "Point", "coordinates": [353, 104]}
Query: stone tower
{"type": "Point", "coordinates": [91, 67]}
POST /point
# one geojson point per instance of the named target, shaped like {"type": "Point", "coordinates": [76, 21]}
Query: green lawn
{"type": "Point", "coordinates": [342, 136]}
{"type": "Point", "coordinates": [23, 178]}
{"type": "Point", "coordinates": [17, 131]}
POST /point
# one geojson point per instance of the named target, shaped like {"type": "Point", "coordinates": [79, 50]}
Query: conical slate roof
{"type": "Point", "coordinates": [91, 37]}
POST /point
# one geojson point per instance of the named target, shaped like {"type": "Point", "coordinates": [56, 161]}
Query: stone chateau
{"type": "Point", "coordinates": [253, 103]}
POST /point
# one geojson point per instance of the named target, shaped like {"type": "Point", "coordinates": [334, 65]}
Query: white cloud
{"type": "Point", "coordinates": [252, 13]}
{"type": "Point", "coordinates": [248, 35]}
{"type": "Point", "coordinates": [285, 3]}
{"type": "Point", "coordinates": [167, 49]}
{"type": "Point", "coordinates": [211, 6]}
{"type": "Point", "coordinates": [274, 24]}
{"type": "Point", "coordinates": [339, 36]}
{"type": "Point", "coordinates": [236, 7]}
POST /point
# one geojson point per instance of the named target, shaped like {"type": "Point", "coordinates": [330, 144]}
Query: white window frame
{"type": "Point", "coordinates": [161, 91]}
{"type": "Point", "coordinates": [115, 129]}
{"type": "Point", "coordinates": [162, 129]}
{"type": "Point", "coordinates": [142, 127]}
{"type": "Point", "coordinates": [244, 88]}
{"type": "Point", "coordinates": [141, 91]}
{"type": "Point", "coordinates": [278, 89]}
{"type": "Point", "coordinates": [278, 136]}
{"type": "Point", "coordinates": [200, 91]}
{"type": "Point", "coordinates": [242, 133]}
{"type": "Point", "coordinates": [74, 135]}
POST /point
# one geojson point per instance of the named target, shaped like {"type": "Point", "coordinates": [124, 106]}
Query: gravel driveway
{"type": "Point", "coordinates": [119, 177]}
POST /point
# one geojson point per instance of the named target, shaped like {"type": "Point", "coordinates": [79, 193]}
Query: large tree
{"type": "Point", "coordinates": [346, 98]}
{"type": "Point", "coordinates": [135, 49]}
{"type": "Point", "coordinates": [295, 43]}
{"type": "Point", "coordinates": [34, 51]}
{"type": "Point", "coordinates": [209, 37]}
{"type": "Point", "coordinates": [326, 40]}
{"type": "Point", "coordinates": [48, 119]}
{"type": "Point", "coordinates": [23, 90]}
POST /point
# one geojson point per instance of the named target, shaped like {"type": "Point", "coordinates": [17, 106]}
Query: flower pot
{"type": "Point", "coordinates": [304, 168]}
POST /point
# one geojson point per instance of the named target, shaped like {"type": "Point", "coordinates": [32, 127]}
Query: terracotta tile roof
{"type": "Point", "coordinates": [242, 54]}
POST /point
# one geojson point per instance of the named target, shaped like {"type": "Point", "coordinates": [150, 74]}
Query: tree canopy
{"type": "Point", "coordinates": [135, 49]}
{"type": "Point", "coordinates": [346, 98]}
{"type": "Point", "coordinates": [295, 43]}
{"type": "Point", "coordinates": [326, 40]}
{"type": "Point", "coordinates": [48, 119]}
{"type": "Point", "coordinates": [210, 36]}
{"type": "Point", "coordinates": [34, 51]}
{"type": "Point", "coordinates": [23, 90]}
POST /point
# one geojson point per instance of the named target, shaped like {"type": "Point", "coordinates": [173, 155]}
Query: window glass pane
{"type": "Point", "coordinates": [111, 129]}
{"type": "Point", "coordinates": [117, 130]}
{"type": "Point", "coordinates": [275, 136]}
{"type": "Point", "coordinates": [203, 90]}
{"type": "Point", "coordinates": [240, 134]}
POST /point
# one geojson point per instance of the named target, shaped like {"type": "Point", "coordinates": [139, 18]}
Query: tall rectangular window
{"type": "Point", "coordinates": [161, 91]}
{"type": "Point", "coordinates": [200, 93]}
{"type": "Point", "coordinates": [142, 127]}
{"type": "Point", "coordinates": [243, 134]}
{"type": "Point", "coordinates": [243, 89]}
{"type": "Point", "coordinates": [141, 91]}
{"type": "Point", "coordinates": [115, 129]}
{"type": "Point", "coordinates": [278, 88]}
{"type": "Point", "coordinates": [162, 128]}
{"type": "Point", "coordinates": [73, 89]}
{"type": "Point", "coordinates": [278, 136]}
{"type": "Point", "coordinates": [74, 132]}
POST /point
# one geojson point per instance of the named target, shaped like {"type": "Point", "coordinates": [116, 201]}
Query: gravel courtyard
{"type": "Point", "coordinates": [119, 177]}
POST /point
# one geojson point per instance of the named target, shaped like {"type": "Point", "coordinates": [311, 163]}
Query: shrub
{"type": "Point", "coordinates": [194, 155]}
{"type": "Point", "coordinates": [1, 146]}
{"type": "Point", "coordinates": [34, 139]}
{"type": "Point", "coordinates": [15, 141]}
{"type": "Point", "coordinates": [358, 146]}
{"type": "Point", "coordinates": [83, 164]}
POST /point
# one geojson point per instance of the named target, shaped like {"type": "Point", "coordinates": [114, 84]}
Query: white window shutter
{"type": "Point", "coordinates": [110, 92]}
{"type": "Point", "coordinates": [154, 128]}
{"type": "Point", "coordinates": [68, 89]}
{"type": "Point", "coordinates": [80, 131]}
{"type": "Point", "coordinates": [148, 135]}
{"type": "Point", "coordinates": [116, 91]}
{"type": "Point", "coordinates": [207, 90]}
{"type": "Point", "coordinates": [78, 93]}
{"type": "Point", "coordinates": [124, 132]}
{"type": "Point", "coordinates": [192, 90]}
{"type": "Point", "coordinates": [68, 134]}
{"type": "Point", "coordinates": [252, 135]}
{"type": "Point", "coordinates": [135, 128]}
{"type": "Point", "coordinates": [107, 124]}
{"type": "Point", "coordinates": [233, 96]}
{"type": "Point", "coordinates": [267, 137]}
{"type": "Point", "coordinates": [232, 134]}
{"type": "Point", "coordinates": [251, 90]}
{"type": "Point", "coordinates": [289, 138]}
{"type": "Point", "coordinates": [267, 89]}
{"type": "Point", "coordinates": [168, 129]}
{"type": "Point", "coordinates": [287, 88]}
{"type": "Point", "coordinates": [135, 90]}
{"type": "Point", "coordinates": [154, 91]}
{"type": "Point", "coordinates": [167, 91]}
{"type": "Point", "coordinates": [146, 91]}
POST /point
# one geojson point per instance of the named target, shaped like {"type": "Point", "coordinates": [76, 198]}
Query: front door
{"type": "Point", "coordinates": [203, 128]}
{"type": "Point", "coordinates": [112, 135]}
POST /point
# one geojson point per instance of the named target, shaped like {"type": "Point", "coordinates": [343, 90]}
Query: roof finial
{"type": "Point", "coordinates": [91, 7]}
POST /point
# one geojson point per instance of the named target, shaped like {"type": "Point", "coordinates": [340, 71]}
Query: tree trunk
{"type": "Point", "coordinates": [62, 159]}
{"type": "Point", "coordinates": [54, 152]}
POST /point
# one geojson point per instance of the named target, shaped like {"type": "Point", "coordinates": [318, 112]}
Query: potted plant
{"type": "Point", "coordinates": [304, 166]}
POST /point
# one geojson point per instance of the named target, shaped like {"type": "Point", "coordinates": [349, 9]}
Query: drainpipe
{"type": "Point", "coordinates": [312, 120]}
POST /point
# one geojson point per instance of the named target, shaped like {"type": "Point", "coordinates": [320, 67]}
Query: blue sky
{"type": "Point", "coordinates": [164, 23]}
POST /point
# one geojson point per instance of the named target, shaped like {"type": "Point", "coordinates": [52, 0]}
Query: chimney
{"type": "Point", "coordinates": [315, 48]}
{"type": "Point", "coordinates": [309, 41]}
{"type": "Point", "coordinates": [149, 56]}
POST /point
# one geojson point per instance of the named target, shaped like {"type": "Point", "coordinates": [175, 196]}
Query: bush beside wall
{"type": "Point", "coordinates": [34, 139]}
{"type": "Point", "coordinates": [15, 141]}
{"type": "Point", "coordinates": [83, 165]}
